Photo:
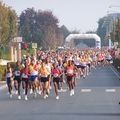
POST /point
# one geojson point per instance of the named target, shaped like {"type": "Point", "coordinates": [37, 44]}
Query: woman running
{"type": "Point", "coordinates": [8, 73]}
{"type": "Point", "coordinates": [44, 72]}
{"type": "Point", "coordinates": [34, 76]}
{"type": "Point", "coordinates": [17, 78]}
{"type": "Point", "coordinates": [56, 79]}
{"type": "Point", "coordinates": [70, 74]}
{"type": "Point", "coordinates": [25, 78]}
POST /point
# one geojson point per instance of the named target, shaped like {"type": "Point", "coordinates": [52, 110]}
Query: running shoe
{"type": "Point", "coordinates": [83, 76]}
{"type": "Point", "coordinates": [10, 95]}
{"type": "Point", "coordinates": [71, 93]}
{"type": "Point", "coordinates": [26, 98]}
{"type": "Point", "coordinates": [19, 97]}
{"type": "Point", "coordinates": [40, 92]}
{"type": "Point", "coordinates": [44, 97]}
{"type": "Point", "coordinates": [57, 97]}
{"type": "Point", "coordinates": [31, 91]}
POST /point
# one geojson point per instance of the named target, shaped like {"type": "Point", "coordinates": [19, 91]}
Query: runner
{"type": "Point", "coordinates": [83, 65]}
{"type": "Point", "coordinates": [25, 78]}
{"type": "Point", "coordinates": [44, 72]}
{"type": "Point", "coordinates": [34, 76]}
{"type": "Point", "coordinates": [56, 79]}
{"type": "Point", "coordinates": [8, 74]}
{"type": "Point", "coordinates": [60, 67]}
{"type": "Point", "coordinates": [48, 66]}
{"type": "Point", "coordinates": [17, 78]}
{"type": "Point", "coordinates": [70, 73]}
{"type": "Point", "coordinates": [109, 59]}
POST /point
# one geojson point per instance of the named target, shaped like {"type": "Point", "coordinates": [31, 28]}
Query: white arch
{"type": "Point", "coordinates": [85, 36]}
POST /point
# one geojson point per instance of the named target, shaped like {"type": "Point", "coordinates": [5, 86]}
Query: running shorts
{"type": "Point", "coordinates": [44, 79]}
{"type": "Point", "coordinates": [32, 78]}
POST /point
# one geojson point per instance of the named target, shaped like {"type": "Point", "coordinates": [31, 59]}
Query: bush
{"type": "Point", "coordinates": [116, 63]}
{"type": "Point", "coordinates": [2, 69]}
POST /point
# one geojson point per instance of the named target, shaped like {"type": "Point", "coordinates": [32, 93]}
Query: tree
{"type": "Point", "coordinates": [104, 27]}
{"type": "Point", "coordinates": [40, 27]}
{"type": "Point", "coordinates": [65, 31]}
{"type": "Point", "coordinates": [115, 33]}
{"type": "Point", "coordinates": [8, 23]}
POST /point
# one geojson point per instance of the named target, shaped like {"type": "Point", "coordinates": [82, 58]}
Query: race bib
{"type": "Point", "coordinates": [8, 75]}
{"type": "Point", "coordinates": [70, 71]}
{"type": "Point", "coordinates": [34, 72]}
{"type": "Point", "coordinates": [17, 73]}
{"type": "Point", "coordinates": [24, 75]}
{"type": "Point", "coordinates": [55, 75]}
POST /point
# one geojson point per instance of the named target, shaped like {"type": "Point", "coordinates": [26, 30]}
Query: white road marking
{"type": "Point", "coordinates": [110, 90]}
{"type": "Point", "coordinates": [86, 90]}
{"type": "Point", "coordinates": [63, 90]}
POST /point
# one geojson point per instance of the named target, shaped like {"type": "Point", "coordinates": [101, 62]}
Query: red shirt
{"type": "Point", "coordinates": [56, 72]}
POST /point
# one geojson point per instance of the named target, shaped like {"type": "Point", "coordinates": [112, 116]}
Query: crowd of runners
{"type": "Point", "coordinates": [35, 75]}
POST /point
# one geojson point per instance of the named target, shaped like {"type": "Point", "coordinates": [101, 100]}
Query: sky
{"type": "Point", "coordinates": [82, 15]}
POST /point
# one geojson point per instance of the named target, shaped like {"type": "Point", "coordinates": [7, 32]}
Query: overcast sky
{"type": "Point", "coordinates": [74, 14]}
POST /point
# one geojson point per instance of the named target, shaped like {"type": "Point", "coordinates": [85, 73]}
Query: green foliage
{"type": "Point", "coordinates": [8, 26]}
{"type": "Point", "coordinates": [39, 27]}
{"type": "Point", "coordinates": [65, 31]}
{"type": "Point", "coordinates": [115, 34]}
{"type": "Point", "coordinates": [4, 53]}
{"type": "Point", "coordinates": [2, 69]}
{"type": "Point", "coordinates": [105, 25]}
{"type": "Point", "coordinates": [102, 29]}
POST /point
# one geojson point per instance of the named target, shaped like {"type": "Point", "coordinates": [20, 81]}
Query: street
{"type": "Point", "coordinates": [96, 98]}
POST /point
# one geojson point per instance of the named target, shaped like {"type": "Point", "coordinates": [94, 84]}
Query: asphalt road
{"type": "Point", "coordinates": [96, 98]}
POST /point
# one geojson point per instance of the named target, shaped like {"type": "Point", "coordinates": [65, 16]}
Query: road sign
{"type": "Point", "coordinates": [34, 45]}
{"type": "Point", "coordinates": [17, 39]}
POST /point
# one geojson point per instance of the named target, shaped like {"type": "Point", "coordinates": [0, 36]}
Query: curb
{"type": "Point", "coordinates": [3, 87]}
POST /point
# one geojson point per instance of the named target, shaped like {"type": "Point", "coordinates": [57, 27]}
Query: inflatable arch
{"type": "Point", "coordinates": [84, 36]}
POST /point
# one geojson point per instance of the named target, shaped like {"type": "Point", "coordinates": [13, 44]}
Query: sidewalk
{"type": "Point", "coordinates": [2, 85]}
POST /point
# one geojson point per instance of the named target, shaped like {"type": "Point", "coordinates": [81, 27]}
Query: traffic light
{"type": "Point", "coordinates": [25, 45]}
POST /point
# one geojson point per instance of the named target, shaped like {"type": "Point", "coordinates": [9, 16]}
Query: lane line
{"type": "Point", "coordinates": [86, 90]}
{"type": "Point", "coordinates": [110, 90]}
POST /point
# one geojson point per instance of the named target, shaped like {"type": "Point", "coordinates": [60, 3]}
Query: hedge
{"type": "Point", "coordinates": [2, 69]}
